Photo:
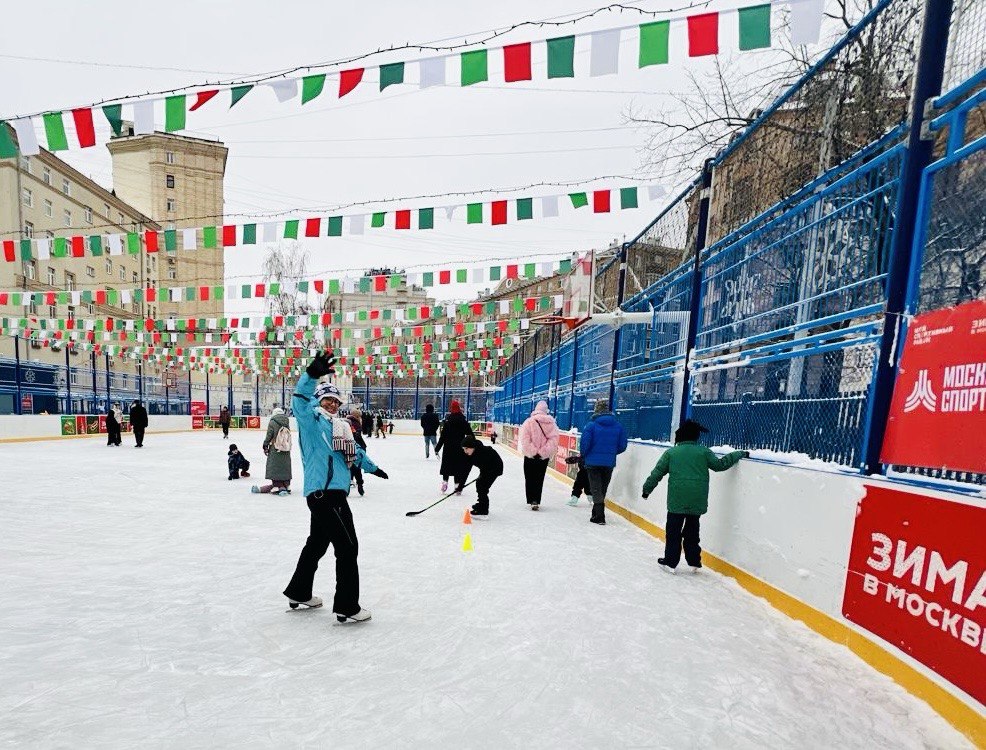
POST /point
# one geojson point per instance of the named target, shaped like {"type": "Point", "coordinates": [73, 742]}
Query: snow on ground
{"type": "Point", "coordinates": [140, 605]}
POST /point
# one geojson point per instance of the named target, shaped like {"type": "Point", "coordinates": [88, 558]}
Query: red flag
{"type": "Point", "coordinates": [348, 80]}
{"type": "Point", "coordinates": [8, 251]}
{"type": "Point", "coordinates": [204, 293]}
{"type": "Point", "coordinates": [201, 97]}
{"type": "Point", "coordinates": [374, 314]}
{"type": "Point", "coordinates": [50, 299]}
{"type": "Point", "coordinates": [703, 34]}
{"type": "Point", "coordinates": [313, 227]}
{"type": "Point", "coordinates": [83, 126]}
{"type": "Point", "coordinates": [600, 201]}
{"type": "Point", "coordinates": [258, 290]}
{"type": "Point", "coordinates": [150, 240]}
{"type": "Point", "coordinates": [517, 62]}
{"type": "Point", "coordinates": [477, 308]}
{"type": "Point", "coordinates": [512, 272]}
{"type": "Point", "coordinates": [403, 219]}
{"type": "Point", "coordinates": [320, 287]}
{"type": "Point", "coordinates": [326, 318]}
{"type": "Point", "coordinates": [78, 247]}
{"type": "Point", "coordinates": [380, 283]}
{"type": "Point", "coordinates": [3, 298]}
{"type": "Point", "coordinates": [100, 296]}
{"type": "Point", "coordinates": [151, 294]}
{"type": "Point", "coordinates": [499, 212]}
{"type": "Point", "coordinates": [229, 235]}
{"type": "Point", "coordinates": [444, 277]}
{"type": "Point", "coordinates": [530, 303]}
{"type": "Point", "coordinates": [418, 331]}
{"type": "Point", "coordinates": [425, 312]}
{"type": "Point", "coordinates": [278, 320]}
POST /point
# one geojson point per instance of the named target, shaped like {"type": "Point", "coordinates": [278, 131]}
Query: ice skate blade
{"type": "Point", "coordinates": [666, 569]}
{"type": "Point", "coordinates": [348, 620]}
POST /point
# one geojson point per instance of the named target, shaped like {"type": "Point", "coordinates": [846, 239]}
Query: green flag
{"type": "Point", "coordinates": [525, 208]}
{"type": "Point", "coordinates": [311, 87]}
{"type": "Point", "coordinates": [208, 237]}
{"type": "Point", "coordinates": [561, 57]}
{"type": "Point", "coordinates": [8, 149]}
{"type": "Point", "coordinates": [25, 249]}
{"type": "Point", "coordinates": [579, 200]}
{"type": "Point", "coordinates": [335, 226]}
{"type": "Point", "coordinates": [174, 113]}
{"type": "Point", "coordinates": [95, 244]}
{"type": "Point", "coordinates": [133, 243]}
{"type": "Point", "coordinates": [426, 218]}
{"type": "Point", "coordinates": [114, 116]}
{"type": "Point", "coordinates": [474, 213]}
{"type": "Point", "coordinates": [754, 27]}
{"type": "Point", "coordinates": [377, 220]}
{"type": "Point", "coordinates": [291, 229]}
{"type": "Point", "coordinates": [170, 240]}
{"type": "Point", "coordinates": [653, 43]}
{"type": "Point", "coordinates": [428, 279]}
{"type": "Point", "coordinates": [238, 92]}
{"type": "Point", "coordinates": [628, 197]}
{"type": "Point", "coordinates": [391, 74]}
{"type": "Point", "coordinates": [495, 273]}
{"type": "Point", "coordinates": [474, 67]}
{"type": "Point", "coordinates": [249, 234]}
{"type": "Point", "coordinates": [55, 131]}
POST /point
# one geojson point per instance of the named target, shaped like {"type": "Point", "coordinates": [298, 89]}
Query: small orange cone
{"type": "Point", "coordinates": [467, 544]}
{"type": "Point", "coordinates": [466, 518]}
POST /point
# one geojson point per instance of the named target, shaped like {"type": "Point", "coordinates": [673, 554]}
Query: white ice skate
{"type": "Point", "coordinates": [666, 568]}
{"type": "Point", "coordinates": [314, 603]}
{"type": "Point", "coordinates": [362, 616]}
{"type": "Point", "coordinates": [573, 501]}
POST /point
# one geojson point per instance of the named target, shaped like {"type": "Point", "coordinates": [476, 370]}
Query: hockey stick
{"type": "Point", "coordinates": [417, 512]}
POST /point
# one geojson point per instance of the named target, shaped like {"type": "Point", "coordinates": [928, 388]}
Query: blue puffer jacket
{"type": "Point", "coordinates": [601, 440]}
{"type": "Point", "coordinates": [325, 469]}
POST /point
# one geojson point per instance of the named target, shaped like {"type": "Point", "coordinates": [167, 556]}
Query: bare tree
{"type": "Point", "coordinates": [286, 264]}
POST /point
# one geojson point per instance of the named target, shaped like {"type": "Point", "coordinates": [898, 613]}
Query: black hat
{"type": "Point", "coordinates": [470, 441]}
{"type": "Point", "coordinates": [232, 447]}
{"type": "Point", "coordinates": [689, 430]}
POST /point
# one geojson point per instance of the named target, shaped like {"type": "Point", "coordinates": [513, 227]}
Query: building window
{"type": "Point", "coordinates": [28, 229]}
{"type": "Point", "coordinates": [123, 273]}
{"type": "Point", "coordinates": [169, 180]}
{"type": "Point", "coordinates": [51, 276]}
{"type": "Point", "coordinates": [33, 308]}
{"type": "Point", "coordinates": [68, 218]}
{"type": "Point", "coordinates": [71, 312]}
{"type": "Point", "coordinates": [52, 311]}
{"type": "Point", "coordinates": [169, 157]}
{"type": "Point", "coordinates": [119, 219]}
{"type": "Point", "coordinates": [46, 176]}
{"type": "Point", "coordinates": [171, 205]}
{"type": "Point", "coordinates": [136, 279]}
{"type": "Point", "coordinates": [90, 310]}
{"type": "Point", "coordinates": [30, 270]}
{"type": "Point", "coordinates": [28, 197]}
{"type": "Point", "coordinates": [49, 208]}
{"type": "Point", "coordinates": [66, 186]}
{"type": "Point", "coordinates": [26, 164]}
{"type": "Point", "coordinates": [109, 266]}
{"type": "Point", "coordinates": [172, 274]}
{"type": "Point", "coordinates": [90, 272]}
{"type": "Point", "coordinates": [106, 210]}
{"type": "Point", "coordinates": [70, 281]}
{"type": "Point", "coordinates": [87, 210]}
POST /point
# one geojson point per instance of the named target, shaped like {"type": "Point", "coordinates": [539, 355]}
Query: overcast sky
{"type": "Point", "coordinates": [368, 146]}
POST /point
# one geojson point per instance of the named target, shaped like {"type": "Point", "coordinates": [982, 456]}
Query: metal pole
{"type": "Point", "coordinates": [575, 369]}
{"type": "Point", "coordinates": [444, 379]}
{"type": "Point", "coordinates": [17, 368]}
{"type": "Point", "coordinates": [391, 395]}
{"type": "Point", "coordinates": [95, 395]}
{"type": "Point", "coordinates": [68, 383]}
{"type": "Point", "coordinates": [140, 380]}
{"type": "Point", "coordinates": [696, 303]}
{"type": "Point", "coordinates": [927, 85]}
{"type": "Point", "coordinates": [283, 396]}
{"type": "Point", "coordinates": [468, 393]}
{"type": "Point", "coordinates": [189, 391]}
{"type": "Point", "coordinates": [207, 399]}
{"type": "Point", "coordinates": [618, 335]}
{"type": "Point", "coordinates": [109, 399]}
{"type": "Point", "coordinates": [367, 378]}
{"type": "Point", "coordinates": [417, 388]}
{"type": "Point", "coordinates": [229, 392]}
{"type": "Point", "coordinates": [256, 393]}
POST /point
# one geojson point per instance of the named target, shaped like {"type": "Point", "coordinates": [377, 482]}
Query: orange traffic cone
{"type": "Point", "coordinates": [466, 518]}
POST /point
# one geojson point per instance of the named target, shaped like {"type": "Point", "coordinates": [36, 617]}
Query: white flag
{"type": "Point", "coordinates": [76, 298]}
{"type": "Point", "coordinates": [504, 307]}
{"type": "Point", "coordinates": [188, 241]}
{"type": "Point", "coordinates": [449, 212]}
{"type": "Point", "coordinates": [285, 90]}
{"type": "Point", "coordinates": [525, 323]}
{"type": "Point", "coordinates": [357, 224]}
{"type": "Point", "coordinates": [125, 298]}
{"type": "Point", "coordinates": [549, 206]}
{"type": "Point", "coordinates": [44, 248]}
{"type": "Point", "coordinates": [27, 140]}
{"type": "Point", "coordinates": [143, 116]}
{"type": "Point", "coordinates": [477, 276]}
{"type": "Point", "coordinates": [270, 231]}
{"type": "Point", "coordinates": [604, 58]}
{"type": "Point", "coordinates": [806, 21]}
{"type": "Point", "coordinates": [432, 72]}
{"type": "Point", "coordinates": [545, 269]}
{"type": "Point", "coordinates": [656, 191]}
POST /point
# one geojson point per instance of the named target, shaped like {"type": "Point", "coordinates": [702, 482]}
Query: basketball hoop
{"type": "Point", "coordinates": [557, 320]}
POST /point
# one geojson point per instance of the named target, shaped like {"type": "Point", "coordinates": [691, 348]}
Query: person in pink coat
{"type": "Point", "coordinates": [538, 443]}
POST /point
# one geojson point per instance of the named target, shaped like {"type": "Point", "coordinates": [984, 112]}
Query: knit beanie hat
{"type": "Point", "coordinates": [454, 407]}
{"type": "Point", "coordinates": [601, 407]}
{"type": "Point", "coordinates": [470, 442]}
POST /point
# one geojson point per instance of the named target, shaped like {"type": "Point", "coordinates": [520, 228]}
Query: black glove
{"type": "Point", "coordinates": [321, 366]}
{"type": "Point", "coordinates": [572, 460]}
{"type": "Point", "coordinates": [746, 454]}
{"type": "Point", "coordinates": [380, 473]}
{"type": "Point", "coordinates": [644, 495]}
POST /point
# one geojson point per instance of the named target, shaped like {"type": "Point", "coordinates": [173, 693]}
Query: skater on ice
{"type": "Point", "coordinates": [237, 463]}
{"type": "Point", "coordinates": [490, 465]}
{"type": "Point", "coordinates": [687, 465]}
{"type": "Point", "coordinates": [603, 439]}
{"type": "Point", "coordinates": [224, 421]}
{"type": "Point", "coordinates": [538, 444]}
{"type": "Point", "coordinates": [429, 428]}
{"type": "Point", "coordinates": [112, 428]}
{"type": "Point", "coordinates": [581, 483]}
{"type": "Point", "coordinates": [328, 449]}
{"type": "Point", "coordinates": [138, 422]}
{"type": "Point", "coordinates": [454, 461]}
{"type": "Point", "coordinates": [277, 448]}
{"type": "Point", "coordinates": [356, 423]}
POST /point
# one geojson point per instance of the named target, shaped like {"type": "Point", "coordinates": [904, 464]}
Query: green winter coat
{"type": "Point", "coordinates": [688, 463]}
{"type": "Point", "coordinates": [278, 462]}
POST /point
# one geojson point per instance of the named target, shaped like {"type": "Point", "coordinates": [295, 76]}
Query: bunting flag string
{"type": "Point", "coordinates": [210, 237]}
{"type": "Point", "coordinates": [424, 279]}
{"type": "Point", "coordinates": [657, 43]}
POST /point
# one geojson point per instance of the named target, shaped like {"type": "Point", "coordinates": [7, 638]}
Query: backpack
{"type": "Point", "coordinates": [282, 441]}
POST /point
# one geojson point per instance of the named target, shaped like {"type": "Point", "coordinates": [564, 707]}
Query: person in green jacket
{"type": "Point", "coordinates": [688, 464]}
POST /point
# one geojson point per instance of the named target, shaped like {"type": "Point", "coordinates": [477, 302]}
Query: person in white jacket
{"type": "Point", "coordinates": [539, 444]}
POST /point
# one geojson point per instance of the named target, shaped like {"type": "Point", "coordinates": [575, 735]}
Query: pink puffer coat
{"type": "Point", "coordinates": [539, 433]}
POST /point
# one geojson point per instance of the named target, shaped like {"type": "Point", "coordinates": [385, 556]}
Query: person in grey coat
{"type": "Point", "coordinates": [278, 451]}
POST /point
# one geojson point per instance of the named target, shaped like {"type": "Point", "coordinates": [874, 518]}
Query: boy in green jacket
{"type": "Point", "coordinates": [688, 463]}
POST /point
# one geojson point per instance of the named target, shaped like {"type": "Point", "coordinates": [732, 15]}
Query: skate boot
{"type": "Point", "coordinates": [362, 616]}
{"type": "Point", "coordinates": [573, 501]}
{"type": "Point", "coordinates": [283, 493]}
{"type": "Point", "coordinates": [255, 490]}
{"type": "Point", "coordinates": [535, 506]}
{"type": "Point", "coordinates": [664, 566]}
{"type": "Point", "coordinates": [314, 603]}
{"type": "Point", "coordinates": [359, 489]}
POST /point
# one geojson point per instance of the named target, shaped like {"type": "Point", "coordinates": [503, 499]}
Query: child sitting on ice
{"type": "Point", "coordinates": [490, 465]}
{"type": "Point", "coordinates": [688, 464]}
{"type": "Point", "coordinates": [238, 465]}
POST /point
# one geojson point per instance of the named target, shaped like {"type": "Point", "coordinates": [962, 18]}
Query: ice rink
{"type": "Point", "coordinates": [141, 606]}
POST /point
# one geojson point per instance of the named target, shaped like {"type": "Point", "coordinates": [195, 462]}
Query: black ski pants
{"type": "Point", "coordinates": [357, 474]}
{"type": "Point", "coordinates": [581, 482]}
{"type": "Point", "coordinates": [682, 528]}
{"type": "Point", "coordinates": [139, 435]}
{"type": "Point", "coordinates": [599, 478]}
{"type": "Point", "coordinates": [331, 523]}
{"type": "Point", "coordinates": [483, 485]}
{"type": "Point", "coordinates": [534, 471]}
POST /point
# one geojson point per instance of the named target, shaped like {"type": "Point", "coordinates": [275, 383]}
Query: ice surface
{"type": "Point", "coordinates": [141, 606]}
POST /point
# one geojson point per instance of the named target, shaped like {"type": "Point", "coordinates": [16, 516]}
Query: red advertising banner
{"type": "Point", "coordinates": [253, 423]}
{"type": "Point", "coordinates": [198, 408]}
{"type": "Point", "coordinates": [567, 445]}
{"type": "Point", "coordinates": [198, 422]}
{"type": "Point", "coordinates": [938, 413]}
{"type": "Point", "coordinates": [917, 578]}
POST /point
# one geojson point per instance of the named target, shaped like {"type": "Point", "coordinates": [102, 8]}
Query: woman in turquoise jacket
{"type": "Point", "coordinates": [327, 452]}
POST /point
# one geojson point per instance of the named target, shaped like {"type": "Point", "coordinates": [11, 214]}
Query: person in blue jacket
{"type": "Point", "coordinates": [602, 440]}
{"type": "Point", "coordinates": [327, 452]}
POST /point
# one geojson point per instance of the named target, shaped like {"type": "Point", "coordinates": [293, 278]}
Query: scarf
{"type": "Point", "coordinates": [342, 436]}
